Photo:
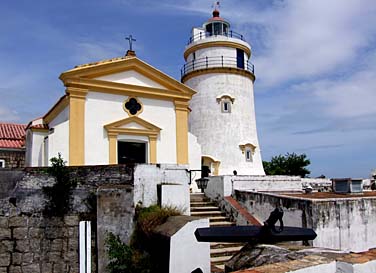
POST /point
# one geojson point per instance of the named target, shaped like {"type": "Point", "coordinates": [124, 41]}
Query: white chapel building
{"type": "Point", "coordinates": [123, 110]}
{"type": "Point", "coordinates": [116, 111]}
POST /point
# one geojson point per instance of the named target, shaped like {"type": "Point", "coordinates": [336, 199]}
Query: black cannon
{"type": "Point", "coordinates": [268, 233]}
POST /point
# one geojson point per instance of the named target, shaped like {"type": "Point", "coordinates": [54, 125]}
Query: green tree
{"type": "Point", "coordinates": [290, 164]}
{"type": "Point", "coordinates": [58, 195]}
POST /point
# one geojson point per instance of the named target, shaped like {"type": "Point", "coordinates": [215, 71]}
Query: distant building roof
{"type": "Point", "coordinates": [12, 135]}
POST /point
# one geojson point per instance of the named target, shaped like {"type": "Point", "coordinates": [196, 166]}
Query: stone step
{"type": "Point", "coordinates": [208, 208]}
{"type": "Point", "coordinates": [215, 245]}
{"type": "Point", "coordinates": [226, 251]}
{"type": "Point", "coordinates": [206, 214]}
{"type": "Point", "coordinates": [220, 260]}
{"type": "Point", "coordinates": [221, 267]}
{"type": "Point", "coordinates": [196, 200]}
{"type": "Point", "coordinates": [221, 224]}
{"type": "Point", "coordinates": [201, 204]}
{"type": "Point", "coordinates": [218, 219]}
{"type": "Point", "coordinates": [196, 196]}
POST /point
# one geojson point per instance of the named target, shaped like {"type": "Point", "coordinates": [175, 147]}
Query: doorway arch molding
{"type": "Point", "coordinates": [132, 126]}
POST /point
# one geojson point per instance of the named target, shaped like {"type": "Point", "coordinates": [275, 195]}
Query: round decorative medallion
{"type": "Point", "coordinates": [132, 106]}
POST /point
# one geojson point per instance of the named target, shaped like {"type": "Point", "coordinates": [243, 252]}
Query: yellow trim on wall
{"type": "Point", "coordinates": [56, 109]}
{"type": "Point", "coordinates": [126, 64]}
{"type": "Point", "coordinates": [196, 47]}
{"type": "Point", "coordinates": [112, 139]}
{"type": "Point", "coordinates": [153, 149]}
{"type": "Point", "coordinates": [228, 70]}
{"type": "Point", "coordinates": [181, 111]}
{"type": "Point", "coordinates": [127, 89]}
{"type": "Point", "coordinates": [41, 130]}
{"type": "Point", "coordinates": [77, 99]}
{"type": "Point", "coordinates": [150, 130]}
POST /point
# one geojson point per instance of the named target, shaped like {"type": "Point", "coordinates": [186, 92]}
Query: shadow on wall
{"type": "Point", "coordinates": [8, 181]}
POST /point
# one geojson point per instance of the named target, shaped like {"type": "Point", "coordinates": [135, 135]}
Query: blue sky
{"type": "Point", "coordinates": [315, 63]}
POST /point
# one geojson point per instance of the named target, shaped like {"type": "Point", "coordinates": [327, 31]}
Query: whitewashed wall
{"type": "Point", "coordinates": [130, 77]}
{"type": "Point", "coordinates": [186, 254]}
{"type": "Point", "coordinates": [102, 109]}
{"type": "Point", "coordinates": [28, 150]}
{"type": "Point", "coordinates": [194, 160]}
{"type": "Point", "coordinates": [147, 177]}
{"type": "Point", "coordinates": [220, 134]}
{"type": "Point", "coordinates": [347, 224]}
{"type": "Point", "coordinates": [58, 138]}
{"type": "Point", "coordinates": [35, 149]}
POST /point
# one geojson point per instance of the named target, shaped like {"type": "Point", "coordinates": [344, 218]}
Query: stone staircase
{"type": "Point", "coordinates": [220, 253]}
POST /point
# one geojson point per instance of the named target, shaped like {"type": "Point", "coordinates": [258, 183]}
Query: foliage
{"type": "Point", "coordinates": [58, 195]}
{"type": "Point", "coordinates": [142, 254]}
{"type": "Point", "coordinates": [290, 164]}
{"type": "Point", "coordinates": [119, 254]}
{"type": "Point", "coordinates": [149, 218]}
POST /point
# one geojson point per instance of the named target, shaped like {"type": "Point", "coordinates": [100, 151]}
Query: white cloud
{"type": "Point", "coordinates": [312, 38]}
{"type": "Point", "coordinates": [8, 115]}
{"type": "Point", "coordinates": [94, 51]}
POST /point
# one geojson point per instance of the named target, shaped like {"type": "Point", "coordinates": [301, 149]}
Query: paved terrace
{"type": "Point", "coordinates": [330, 195]}
{"type": "Point", "coordinates": [323, 262]}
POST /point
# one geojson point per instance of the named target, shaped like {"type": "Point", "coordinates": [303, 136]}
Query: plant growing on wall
{"type": "Point", "coordinates": [140, 256]}
{"type": "Point", "coordinates": [58, 195]}
{"type": "Point", "coordinates": [120, 255]}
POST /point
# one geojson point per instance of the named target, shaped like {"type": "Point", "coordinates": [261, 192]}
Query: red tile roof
{"type": "Point", "coordinates": [12, 135]}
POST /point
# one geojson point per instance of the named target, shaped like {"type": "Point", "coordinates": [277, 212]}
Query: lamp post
{"type": "Point", "coordinates": [202, 183]}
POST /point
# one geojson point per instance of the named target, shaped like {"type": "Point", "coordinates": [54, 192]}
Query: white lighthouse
{"type": "Point", "coordinates": [223, 118]}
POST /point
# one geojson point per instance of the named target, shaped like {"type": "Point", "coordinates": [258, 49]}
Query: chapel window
{"type": "Point", "coordinates": [2, 163]}
{"type": "Point", "coordinates": [132, 106]}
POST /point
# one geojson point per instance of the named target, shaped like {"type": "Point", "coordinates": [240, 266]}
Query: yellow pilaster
{"type": "Point", "coordinates": [153, 149]}
{"type": "Point", "coordinates": [216, 167]}
{"type": "Point", "coordinates": [181, 110]}
{"type": "Point", "coordinates": [77, 98]}
{"type": "Point", "coordinates": [112, 138]}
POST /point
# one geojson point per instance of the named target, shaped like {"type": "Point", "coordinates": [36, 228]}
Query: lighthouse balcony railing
{"type": "Point", "coordinates": [204, 35]}
{"type": "Point", "coordinates": [216, 62]}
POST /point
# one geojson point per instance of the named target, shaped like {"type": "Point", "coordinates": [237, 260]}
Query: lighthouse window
{"type": "Point", "coordinates": [226, 106]}
{"type": "Point", "coordinates": [217, 28]}
{"type": "Point", "coordinates": [209, 29]}
{"type": "Point", "coordinates": [248, 155]}
{"type": "Point", "coordinates": [224, 29]}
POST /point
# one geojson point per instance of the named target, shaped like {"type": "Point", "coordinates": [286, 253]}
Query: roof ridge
{"type": "Point", "coordinates": [9, 123]}
{"type": "Point", "coordinates": [100, 62]}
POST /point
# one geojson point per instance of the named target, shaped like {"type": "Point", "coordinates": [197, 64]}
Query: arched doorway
{"type": "Point", "coordinates": [210, 164]}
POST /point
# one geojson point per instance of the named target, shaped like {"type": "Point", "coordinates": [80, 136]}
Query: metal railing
{"type": "Point", "coordinates": [215, 62]}
{"type": "Point", "coordinates": [203, 35]}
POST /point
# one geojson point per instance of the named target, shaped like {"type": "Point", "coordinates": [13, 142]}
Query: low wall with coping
{"type": "Point", "coordinates": [32, 242]}
{"type": "Point", "coordinates": [221, 186]}
{"type": "Point", "coordinates": [340, 223]}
